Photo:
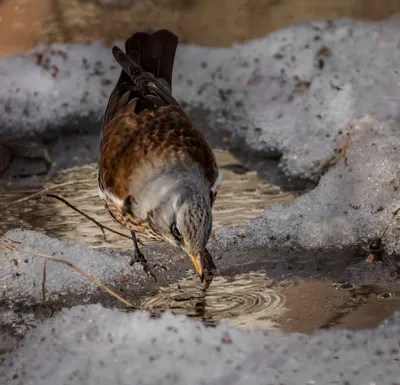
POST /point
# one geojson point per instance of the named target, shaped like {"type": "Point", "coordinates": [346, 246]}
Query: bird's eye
{"type": "Point", "coordinates": [175, 231]}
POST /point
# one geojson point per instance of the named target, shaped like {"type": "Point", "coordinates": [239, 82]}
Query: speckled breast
{"type": "Point", "coordinates": [131, 223]}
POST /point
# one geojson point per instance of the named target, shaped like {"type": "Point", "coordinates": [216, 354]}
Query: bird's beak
{"type": "Point", "coordinates": [198, 264]}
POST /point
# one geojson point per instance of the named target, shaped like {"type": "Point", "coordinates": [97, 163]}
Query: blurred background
{"type": "Point", "coordinates": [24, 23]}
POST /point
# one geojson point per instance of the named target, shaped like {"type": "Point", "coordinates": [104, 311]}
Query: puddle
{"type": "Point", "coordinates": [249, 302]}
{"type": "Point", "coordinates": [242, 197]}
{"type": "Point", "coordinates": [244, 302]}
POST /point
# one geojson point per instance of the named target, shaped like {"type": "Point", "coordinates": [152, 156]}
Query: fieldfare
{"type": "Point", "coordinates": [157, 173]}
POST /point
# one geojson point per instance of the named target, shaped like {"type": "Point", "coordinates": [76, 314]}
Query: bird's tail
{"type": "Point", "coordinates": [146, 75]}
{"type": "Point", "coordinates": [154, 53]}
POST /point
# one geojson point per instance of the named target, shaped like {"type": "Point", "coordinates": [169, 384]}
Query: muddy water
{"type": "Point", "coordinates": [242, 197]}
{"type": "Point", "coordinates": [244, 302]}
{"type": "Point", "coordinates": [250, 303]}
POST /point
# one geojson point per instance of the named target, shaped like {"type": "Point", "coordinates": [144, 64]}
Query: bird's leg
{"type": "Point", "coordinates": [137, 254]}
{"type": "Point", "coordinates": [139, 257]}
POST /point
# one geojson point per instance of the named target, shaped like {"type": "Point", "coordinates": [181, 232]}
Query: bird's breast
{"type": "Point", "coordinates": [118, 210]}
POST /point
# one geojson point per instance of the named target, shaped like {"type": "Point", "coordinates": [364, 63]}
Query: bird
{"type": "Point", "coordinates": [157, 174]}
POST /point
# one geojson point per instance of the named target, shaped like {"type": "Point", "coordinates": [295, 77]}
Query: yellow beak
{"type": "Point", "coordinates": [198, 265]}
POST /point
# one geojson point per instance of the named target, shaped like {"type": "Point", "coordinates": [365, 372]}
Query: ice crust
{"type": "Point", "coordinates": [93, 345]}
{"type": "Point", "coordinates": [288, 93]}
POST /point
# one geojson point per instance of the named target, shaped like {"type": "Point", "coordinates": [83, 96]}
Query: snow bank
{"type": "Point", "coordinates": [21, 274]}
{"type": "Point", "coordinates": [353, 204]}
{"type": "Point", "coordinates": [288, 93]}
{"type": "Point", "coordinates": [93, 345]}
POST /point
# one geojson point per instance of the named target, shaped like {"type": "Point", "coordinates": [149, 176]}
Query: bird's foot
{"type": "Point", "coordinates": [158, 266]}
{"type": "Point", "coordinates": [138, 257]}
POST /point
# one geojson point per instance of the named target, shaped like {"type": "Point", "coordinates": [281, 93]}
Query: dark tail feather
{"type": "Point", "coordinates": [148, 64]}
{"type": "Point", "coordinates": [145, 54]}
{"type": "Point", "coordinates": [155, 53]}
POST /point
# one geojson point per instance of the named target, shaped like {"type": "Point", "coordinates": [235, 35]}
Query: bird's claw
{"type": "Point", "coordinates": [149, 273]}
{"type": "Point", "coordinates": [157, 265]}
{"type": "Point", "coordinates": [139, 258]}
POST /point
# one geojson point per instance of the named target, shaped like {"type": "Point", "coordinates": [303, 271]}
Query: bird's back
{"type": "Point", "coordinates": [145, 130]}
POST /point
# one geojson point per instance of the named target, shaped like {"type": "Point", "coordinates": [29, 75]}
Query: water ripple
{"type": "Point", "coordinates": [245, 302]}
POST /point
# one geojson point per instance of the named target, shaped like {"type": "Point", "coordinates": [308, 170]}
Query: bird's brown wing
{"type": "Point", "coordinates": [142, 116]}
{"type": "Point", "coordinates": [135, 140]}
{"type": "Point", "coordinates": [143, 120]}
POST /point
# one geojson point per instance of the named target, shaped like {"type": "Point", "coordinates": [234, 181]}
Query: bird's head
{"type": "Point", "coordinates": [184, 219]}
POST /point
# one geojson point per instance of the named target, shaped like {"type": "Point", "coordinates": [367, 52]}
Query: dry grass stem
{"type": "Point", "coordinates": [72, 266]}
{"type": "Point", "coordinates": [44, 276]}
{"type": "Point", "coordinates": [43, 191]}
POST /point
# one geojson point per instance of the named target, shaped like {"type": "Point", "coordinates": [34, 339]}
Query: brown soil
{"type": "Point", "coordinates": [23, 23]}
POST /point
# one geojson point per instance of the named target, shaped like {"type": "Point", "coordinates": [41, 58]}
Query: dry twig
{"type": "Point", "coordinates": [101, 226]}
{"type": "Point", "coordinates": [55, 196]}
{"type": "Point", "coordinates": [44, 276]}
{"type": "Point", "coordinates": [72, 266]}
